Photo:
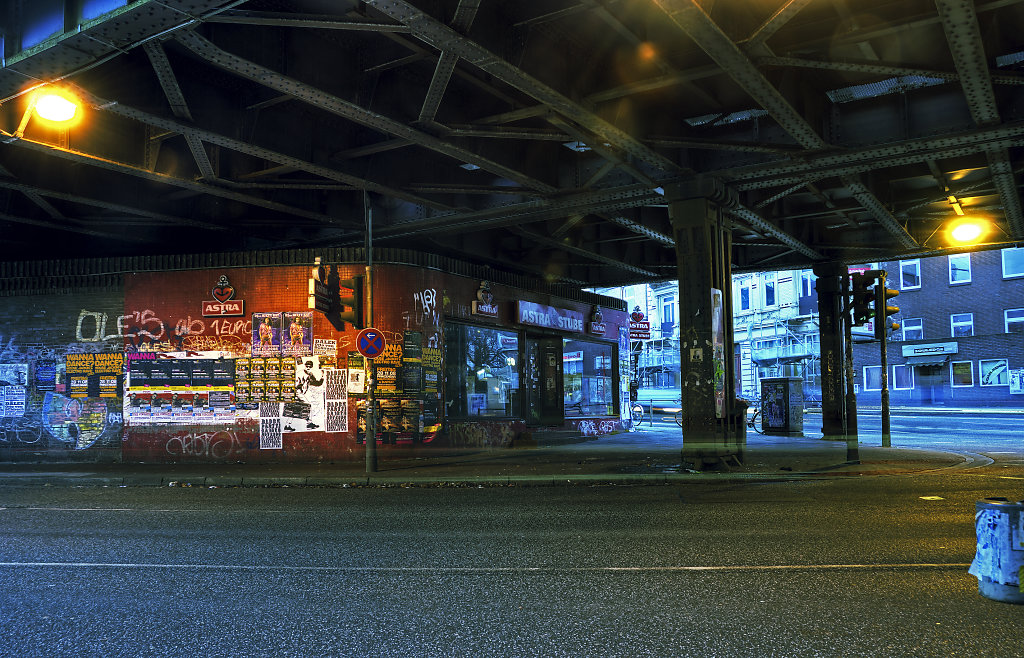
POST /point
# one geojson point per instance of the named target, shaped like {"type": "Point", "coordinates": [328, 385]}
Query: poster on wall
{"type": "Point", "coordinates": [356, 374]}
{"type": "Point", "coordinates": [1017, 381]}
{"type": "Point", "coordinates": [430, 361]}
{"type": "Point", "coordinates": [718, 351]}
{"type": "Point", "coordinates": [13, 380]}
{"type": "Point", "coordinates": [336, 397]}
{"type": "Point", "coordinates": [270, 426]}
{"type": "Point", "coordinates": [266, 334]}
{"type": "Point", "coordinates": [412, 367]}
{"type": "Point", "coordinates": [95, 375]}
{"type": "Point", "coordinates": [389, 367]}
{"type": "Point", "coordinates": [180, 389]}
{"type": "Point", "coordinates": [298, 329]}
{"type": "Point", "coordinates": [306, 412]}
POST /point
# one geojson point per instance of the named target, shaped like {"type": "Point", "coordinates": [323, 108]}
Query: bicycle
{"type": "Point", "coordinates": [754, 418]}
{"type": "Point", "coordinates": [636, 413]}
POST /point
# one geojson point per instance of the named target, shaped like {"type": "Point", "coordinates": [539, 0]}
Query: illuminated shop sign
{"type": "Point", "coordinates": [549, 317]}
{"type": "Point", "coordinates": [484, 303]}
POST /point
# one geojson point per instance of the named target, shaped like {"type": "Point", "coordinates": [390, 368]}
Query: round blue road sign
{"type": "Point", "coordinates": [370, 342]}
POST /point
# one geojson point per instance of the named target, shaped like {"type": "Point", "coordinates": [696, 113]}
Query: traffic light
{"type": "Point", "coordinates": [863, 298]}
{"type": "Point", "coordinates": [883, 324]}
{"type": "Point", "coordinates": [351, 301]}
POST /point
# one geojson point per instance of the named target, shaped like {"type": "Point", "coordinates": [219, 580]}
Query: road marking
{"type": "Point", "coordinates": [286, 567]}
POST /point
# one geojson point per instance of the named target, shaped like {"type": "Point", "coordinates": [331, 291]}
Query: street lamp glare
{"type": "Point", "coordinates": [55, 107]}
{"type": "Point", "coordinates": [966, 232]}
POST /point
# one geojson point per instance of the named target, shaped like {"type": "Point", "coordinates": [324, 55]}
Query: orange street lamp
{"type": "Point", "coordinates": [51, 104]}
{"type": "Point", "coordinates": [968, 230]}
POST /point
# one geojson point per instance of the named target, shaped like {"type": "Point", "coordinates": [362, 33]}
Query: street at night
{"type": "Point", "coordinates": [720, 564]}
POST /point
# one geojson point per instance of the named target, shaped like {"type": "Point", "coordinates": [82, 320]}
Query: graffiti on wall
{"type": "Point", "coordinates": [146, 331]}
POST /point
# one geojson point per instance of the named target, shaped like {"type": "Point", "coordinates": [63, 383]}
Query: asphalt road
{"type": "Point", "coordinates": [869, 566]}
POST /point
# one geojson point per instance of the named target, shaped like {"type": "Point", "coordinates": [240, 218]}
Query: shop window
{"type": "Point", "coordinates": [910, 274]}
{"type": "Point", "coordinates": [993, 372]}
{"type": "Point", "coordinates": [961, 373]}
{"type": "Point", "coordinates": [1014, 320]}
{"type": "Point", "coordinates": [872, 378]}
{"type": "Point", "coordinates": [587, 378]}
{"type": "Point", "coordinates": [1013, 263]}
{"type": "Point", "coordinates": [482, 371]}
{"type": "Point", "coordinates": [902, 377]}
{"type": "Point", "coordinates": [913, 329]}
{"type": "Point", "coordinates": [961, 324]}
{"type": "Point", "coordinates": [959, 269]}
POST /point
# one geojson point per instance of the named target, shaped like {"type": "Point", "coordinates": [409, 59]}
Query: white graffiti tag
{"type": "Point", "coordinates": [92, 326]}
{"type": "Point", "coordinates": [426, 307]}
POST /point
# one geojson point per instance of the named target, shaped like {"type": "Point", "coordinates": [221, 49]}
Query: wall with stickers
{"type": "Point", "coordinates": [228, 364]}
{"type": "Point", "coordinates": [61, 372]}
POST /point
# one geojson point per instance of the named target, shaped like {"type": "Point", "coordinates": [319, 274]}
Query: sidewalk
{"type": "Point", "coordinates": [642, 457]}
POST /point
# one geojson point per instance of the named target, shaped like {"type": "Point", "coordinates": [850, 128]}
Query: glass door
{"type": "Point", "coordinates": [543, 373]}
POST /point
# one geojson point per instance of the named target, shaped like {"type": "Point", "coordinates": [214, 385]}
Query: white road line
{"type": "Point", "coordinates": [285, 567]}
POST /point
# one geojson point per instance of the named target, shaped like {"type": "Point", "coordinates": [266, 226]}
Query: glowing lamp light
{"type": "Point", "coordinates": [967, 231]}
{"type": "Point", "coordinates": [55, 107]}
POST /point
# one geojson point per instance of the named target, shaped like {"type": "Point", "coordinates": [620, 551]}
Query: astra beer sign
{"type": "Point", "coordinates": [223, 302]}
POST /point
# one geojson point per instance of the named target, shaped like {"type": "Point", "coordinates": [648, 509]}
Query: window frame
{"type": "Point", "coordinates": [770, 281]}
{"type": "Point", "coordinates": [916, 262]}
{"type": "Point", "coordinates": [866, 380]}
{"type": "Point", "coordinates": [959, 256]}
{"type": "Point", "coordinates": [910, 372]}
{"type": "Point", "coordinates": [952, 377]}
{"type": "Point", "coordinates": [1006, 371]}
{"type": "Point", "coordinates": [953, 324]}
{"type": "Point", "coordinates": [904, 328]}
{"type": "Point", "coordinates": [1015, 250]}
{"type": "Point", "coordinates": [1006, 320]}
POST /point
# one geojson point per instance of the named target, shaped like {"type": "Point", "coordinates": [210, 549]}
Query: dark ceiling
{"type": "Point", "coordinates": [541, 137]}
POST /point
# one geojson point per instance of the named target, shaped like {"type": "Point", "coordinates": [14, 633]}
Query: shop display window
{"type": "Point", "coordinates": [587, 370]}
{"type": "Point", "coordinates": [482, 371]}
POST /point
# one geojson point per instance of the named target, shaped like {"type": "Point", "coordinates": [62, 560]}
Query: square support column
{"type": "Point", "coordinates": [714, 424]}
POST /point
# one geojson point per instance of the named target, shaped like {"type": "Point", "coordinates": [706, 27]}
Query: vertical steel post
{"type": "Point", "coordinates": [852, 449]}
{"type": "Point", "coordinates": [833, 391]}
{"type": "Point", "coordinates": [881, 317]}
{"type": "Point", "coordinates": [371, 384]}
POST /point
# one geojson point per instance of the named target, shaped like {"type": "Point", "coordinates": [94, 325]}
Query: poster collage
{"type": "Point", "coordinates": [291, 383]}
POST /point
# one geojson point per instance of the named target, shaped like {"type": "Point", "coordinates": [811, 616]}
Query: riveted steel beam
{"type": "Point", "coordinates": [867, 198]}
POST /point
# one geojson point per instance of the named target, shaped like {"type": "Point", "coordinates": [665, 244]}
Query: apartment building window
{"type": "Point", "coordinates": [910, 274]}
{"type": "Point", "coordinates": [913, 329]}
{"type": "Point", "coordinates": [993, 372]}
{"type": "Point", "coordinates": [745, 297]}
{"type": "Point", "coordinates": [959, 269]}
{"type": "Point", "coordinates": [808, 283]}
{"type": "Point", "coordinates": [872, 378]}
{"type": "Point", "coordinates": [1014, 318]}
{"type": "Point", "coordinates": [962, 324]}
{"type": "Point", "coordinates": [1013, 263]}
{"type": "Point", "coordinates": [769, 290]}
{"type": "Point", "coordinates": [961, 373]}
{"type": "Point", "coordinates": [902, 377]}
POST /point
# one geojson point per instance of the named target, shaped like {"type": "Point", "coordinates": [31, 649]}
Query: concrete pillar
{"type": "Point", "coordinates": [713, 429]}
{"type": "Point", "coordinates": [833, 353]}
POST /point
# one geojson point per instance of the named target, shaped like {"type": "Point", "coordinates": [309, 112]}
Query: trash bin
{"type": "Point", "coordinates": [999, 557]}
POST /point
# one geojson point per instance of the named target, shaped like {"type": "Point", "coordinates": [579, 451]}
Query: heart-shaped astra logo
{"type": "Point", "coordinates": [223, 291]}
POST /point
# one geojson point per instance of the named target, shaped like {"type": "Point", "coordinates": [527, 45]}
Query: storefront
{"type": "Point", "coordinates": [239, 362]}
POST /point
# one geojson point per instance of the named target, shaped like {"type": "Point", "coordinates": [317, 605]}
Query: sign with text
{"type": "Point", "coordinates": [549, 317]}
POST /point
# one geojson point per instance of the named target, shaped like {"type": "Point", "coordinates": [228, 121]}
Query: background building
{"type": "Point", "coordinates": [961, 336]}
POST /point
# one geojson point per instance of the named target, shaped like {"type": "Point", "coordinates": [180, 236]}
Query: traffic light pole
{"type": "Point", "coordinates": [882, 318]}
{"type": "Point", "coordinates": [371, 369]}
{"type": "Point", "coordinates": [852, 449]}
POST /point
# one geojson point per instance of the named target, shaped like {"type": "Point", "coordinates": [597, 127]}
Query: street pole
{"type": "Point", "coordinates": [852, 449]}
{"type": "Point", "coordinates": [886, 435]}
{"type": "Point", "coordinates": [371, 384]}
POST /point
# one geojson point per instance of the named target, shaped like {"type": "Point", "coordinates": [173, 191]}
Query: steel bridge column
{"type": "Point", "coordinates": [833, 351]}
{"type": "Point", "coordinates": [713, 427]}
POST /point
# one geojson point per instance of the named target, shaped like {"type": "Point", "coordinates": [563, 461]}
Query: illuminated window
{"type": "Point", "coordinates": [482, 373]}
{"type": "Point", "coordinates": [961, 373]}
{"type": "Point", "coordinates": [587, 378]}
